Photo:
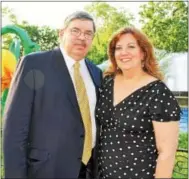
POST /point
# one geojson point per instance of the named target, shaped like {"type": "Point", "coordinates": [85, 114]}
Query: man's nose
{"type": "Point", "coordinates": [82, 36]}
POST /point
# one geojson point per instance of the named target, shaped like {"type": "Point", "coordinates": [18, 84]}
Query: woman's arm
{"type": "Point", "coordinates": [166, 135]}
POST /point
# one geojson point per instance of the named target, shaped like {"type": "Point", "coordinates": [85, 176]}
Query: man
{"type": "Point", "coordinates": [50, 125]}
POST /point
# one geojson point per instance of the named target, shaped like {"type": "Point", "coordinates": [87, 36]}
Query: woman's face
{"type": "Point", "coordinates": [128, 54]}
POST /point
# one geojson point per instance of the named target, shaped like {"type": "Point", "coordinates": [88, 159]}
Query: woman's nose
{"type": "Point", "coordinates": [125, 51]}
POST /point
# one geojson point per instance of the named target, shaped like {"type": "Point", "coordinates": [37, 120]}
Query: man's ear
{"type": "Point", "coordinates": [61, 32]}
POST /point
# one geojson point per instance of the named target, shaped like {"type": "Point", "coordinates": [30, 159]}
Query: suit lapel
{"type": "Point", "coordinates": [97, 83]}
{"type": "Point", "coordinates": [65, 78]}
{"type": "Point", "coordinates": [93, 76]}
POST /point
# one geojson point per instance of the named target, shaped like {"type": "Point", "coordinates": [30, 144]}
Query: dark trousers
{"type": "Point", "coordinates": [85, 171]}
{"type": "Point", "coordinates": [82, 173]}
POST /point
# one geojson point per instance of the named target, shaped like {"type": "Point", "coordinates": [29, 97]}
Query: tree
{"type": "Point", "coordinates": [166, 23]}
{"type": "Point", "coordinates": [44, 36]}
{"type": "Point", "coordinates": [108, 20]}
{"type": "Point", "coordinates": [8, 14]}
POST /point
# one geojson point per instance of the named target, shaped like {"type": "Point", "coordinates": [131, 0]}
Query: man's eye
{"type": "Point", "coordinates": [75, 30]}
{"type": "Point", "coordinates": [89, 34]}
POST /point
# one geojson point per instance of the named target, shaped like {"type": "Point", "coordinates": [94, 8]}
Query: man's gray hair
{"type": "Point", "coordinates": [79, 15]}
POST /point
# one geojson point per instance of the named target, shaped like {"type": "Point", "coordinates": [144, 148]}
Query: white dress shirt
{"type": "Point", "coordinates": [89, 85]}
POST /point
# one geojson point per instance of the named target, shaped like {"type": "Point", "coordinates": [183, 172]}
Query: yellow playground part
{"type": "Point", "coordinates": [7, 69]}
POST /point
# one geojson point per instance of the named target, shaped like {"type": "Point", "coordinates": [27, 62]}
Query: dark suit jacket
{"type": "Point", "coordinates": [43, 131]}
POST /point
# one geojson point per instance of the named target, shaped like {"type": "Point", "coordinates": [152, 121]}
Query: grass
{"type": "Point", "coordinates": [183, 140]}
{"type": "Point", "coordinates": [181, 162]}
{"type": "Point", "coordinates": [181, 165]}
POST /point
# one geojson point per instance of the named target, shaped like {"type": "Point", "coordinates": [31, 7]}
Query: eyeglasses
{"type": "Point", "coordinates": [77, 33]}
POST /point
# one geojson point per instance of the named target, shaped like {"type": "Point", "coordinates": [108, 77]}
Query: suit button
{"type": "Point", "coordinates": [79, 158]}
{"type": "Point", "coordinates": [82, 135]}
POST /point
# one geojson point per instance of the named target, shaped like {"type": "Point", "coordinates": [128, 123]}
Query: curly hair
{"type": "Point", "coordinates": [150, 63]}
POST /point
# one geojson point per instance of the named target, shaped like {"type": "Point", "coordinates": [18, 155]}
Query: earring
{"type": "Point", "coordinates": [118, 70]}
{"type": "Point", "coordinates": [142, 63]}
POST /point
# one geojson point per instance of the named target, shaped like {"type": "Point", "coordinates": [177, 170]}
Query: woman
{"type": "Point", "coordinates": [138, 114]}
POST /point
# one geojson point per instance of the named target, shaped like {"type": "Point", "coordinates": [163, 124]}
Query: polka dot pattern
{"type": "Point", "coordinates": [127, 142]}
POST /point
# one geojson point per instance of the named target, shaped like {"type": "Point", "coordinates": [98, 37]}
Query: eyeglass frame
{"type": "Point", "coordinates": [80, 32]}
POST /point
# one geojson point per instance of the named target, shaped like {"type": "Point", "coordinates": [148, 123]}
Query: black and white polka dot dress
{"type": "Point", "coordinates": [127, 143]}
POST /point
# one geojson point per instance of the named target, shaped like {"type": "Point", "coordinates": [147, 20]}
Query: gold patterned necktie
{"type": "Point", "coordinates": [83, 102]}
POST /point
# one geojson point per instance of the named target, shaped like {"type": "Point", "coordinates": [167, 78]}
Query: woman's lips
{"type": "Point", "coordinates": [125, 60]}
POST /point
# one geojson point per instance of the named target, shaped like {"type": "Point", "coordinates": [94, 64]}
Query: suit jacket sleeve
{"type": "Point", "coordinates": [16, 120]}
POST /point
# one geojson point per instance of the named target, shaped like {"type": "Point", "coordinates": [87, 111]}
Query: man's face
{"type": "Point", "coordinates": [76, 38]}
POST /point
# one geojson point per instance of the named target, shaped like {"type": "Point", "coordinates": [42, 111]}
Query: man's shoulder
{"type": "Point", "coordinates": [39, 54]}
{"type": "Point", "coordinates": [37, 59]}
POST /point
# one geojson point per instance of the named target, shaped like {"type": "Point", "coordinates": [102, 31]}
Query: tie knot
{"type": "Point", "coordinates": [77, 65]}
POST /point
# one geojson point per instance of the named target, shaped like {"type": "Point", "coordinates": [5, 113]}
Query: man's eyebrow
{"type": "Point", "coordinates": [80, 29]}
{"type": "Point", "coordinates": [89, 31]}
{"type": "Point", "coordinates": [75, 28]}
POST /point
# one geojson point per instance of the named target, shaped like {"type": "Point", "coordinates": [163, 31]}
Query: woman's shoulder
{"type": "Point", "coordinates": [107, 78]}
{"type": "Point", "coordinates": [155, 82]}
{"type": "Point", "coordinates": [160, 88]}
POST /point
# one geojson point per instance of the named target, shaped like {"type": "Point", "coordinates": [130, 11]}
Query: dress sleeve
{"type": "Point", "coordinates": [164, 106]}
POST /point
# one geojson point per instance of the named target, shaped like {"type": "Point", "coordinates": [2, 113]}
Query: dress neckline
{"type": "Point", "coordinates": [127, 97]}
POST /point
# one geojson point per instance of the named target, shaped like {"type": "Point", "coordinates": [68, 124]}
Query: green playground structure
{"type": "Point", "coordinates": [22, 38]}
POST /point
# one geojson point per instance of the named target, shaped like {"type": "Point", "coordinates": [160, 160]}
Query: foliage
{"type": "Point", "coordinates": [181, 165]}
{"type": "Point", "coordinates": [44, 36]}
{"type": "Point", "coordinates": [166, 23]}
{"type": "Point", "coordinates": [6, 11]}
{"type": "Point", "coordinates": [183, 140]}
{"type": "Point", "coordinates": [109, 19]}
{"type": "Point", "coordinates": [181, 161]}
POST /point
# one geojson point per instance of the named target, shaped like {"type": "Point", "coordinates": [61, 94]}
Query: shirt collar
{"type": "Point", "coordinates": [69, 60]}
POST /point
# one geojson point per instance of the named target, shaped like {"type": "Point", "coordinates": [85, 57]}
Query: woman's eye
{"type": "Point", "coordinates": [118, 48]}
